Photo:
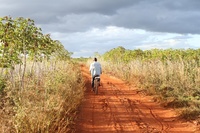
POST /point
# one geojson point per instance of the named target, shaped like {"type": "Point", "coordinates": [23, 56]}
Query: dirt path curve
{"type": "Point", "coordinates": [119, 108]}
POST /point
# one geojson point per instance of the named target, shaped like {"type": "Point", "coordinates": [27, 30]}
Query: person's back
{"type": "Point", "coordinates": [95, 70]}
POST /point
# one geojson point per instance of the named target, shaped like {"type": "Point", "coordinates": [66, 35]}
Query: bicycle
{"type": "Point", "coordinates": [96, 84]}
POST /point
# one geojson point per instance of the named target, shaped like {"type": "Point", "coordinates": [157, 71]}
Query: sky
{"type": "Point", "coordinates": [85, 27]}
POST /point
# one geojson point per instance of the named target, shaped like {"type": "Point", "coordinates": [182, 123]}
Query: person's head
{"type": "Point", "coordinates": [95, 59]}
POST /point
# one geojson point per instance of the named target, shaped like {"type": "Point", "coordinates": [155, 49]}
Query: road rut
{"type": "Point", "coordinates": [119, 108]}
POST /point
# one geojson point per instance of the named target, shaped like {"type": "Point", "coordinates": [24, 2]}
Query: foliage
{"type": "Point", "coordinates": [49, 106]}
{"type": "Point", "coordinates": [121, 54]}
{"type": "Point", "coordinates": [2, 84]}
{"type": "Point", "coordinates": [80, 60]}
{"type": "Point", "coordinates": [42, 89]}
{"type": "Point", "coordinates": [20, 37]}
{"type": "Point", "coordinates": [173, 74]}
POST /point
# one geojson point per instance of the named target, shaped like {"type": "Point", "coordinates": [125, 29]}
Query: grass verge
{"type": "Point", "coordinates": [47, 104]}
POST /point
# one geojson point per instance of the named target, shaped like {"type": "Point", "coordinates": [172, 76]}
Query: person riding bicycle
{"type": "Point", "coordinates": [95, 70]}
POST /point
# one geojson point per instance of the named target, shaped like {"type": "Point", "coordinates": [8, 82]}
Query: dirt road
{"type": "Point", "coordinates": [119, 108]}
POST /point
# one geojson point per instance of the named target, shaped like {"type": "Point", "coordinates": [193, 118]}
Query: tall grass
{"type": "Point", "coordinates": [48, 101]}
{"type": "Point", "coordinates": [175, 83]}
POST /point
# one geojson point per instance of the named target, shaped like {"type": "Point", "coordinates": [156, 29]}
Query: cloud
{"type": "Point", "coordinates": [101, 40]}
{"type": "Point", "coordinates": [82, 25]}
{"type": "Point", "coordinates": [180, 16]}
{"type": "Point", "coordinates": [161, 17]}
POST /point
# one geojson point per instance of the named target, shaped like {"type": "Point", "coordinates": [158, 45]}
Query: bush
{"type": "Point", "coordinates": [2, 84]}
{"type": "Point", "coordinates": [47, 103]}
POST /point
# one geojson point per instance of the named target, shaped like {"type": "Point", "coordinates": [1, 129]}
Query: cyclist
{"type": "Point", "coordinates": [95, 70]}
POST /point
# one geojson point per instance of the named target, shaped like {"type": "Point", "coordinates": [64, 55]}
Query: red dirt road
{"type": "Point", "coordinates": [119, 108]}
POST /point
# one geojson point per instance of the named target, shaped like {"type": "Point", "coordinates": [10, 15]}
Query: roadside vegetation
{"type": "Point", "coordinates": [39, 88]}
{"type": "Point", "coordinates": [171, 75]}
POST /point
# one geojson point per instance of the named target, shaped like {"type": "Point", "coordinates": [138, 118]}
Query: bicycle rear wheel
{"type": "Point", "coordinates": [96, 85]}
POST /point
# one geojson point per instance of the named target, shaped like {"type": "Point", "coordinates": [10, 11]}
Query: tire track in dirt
{"type": "Point", "coordinates": [140, 123]}
{"type": "Point", "coordinates": [114, 111]}
{"type": "Point", "coordinates": [119, 108]}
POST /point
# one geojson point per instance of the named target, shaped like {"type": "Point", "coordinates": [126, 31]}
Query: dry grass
{"type": "Point", "coordinates": [177, 80]}
{"type": "Point", "coordinates": [48, 101]}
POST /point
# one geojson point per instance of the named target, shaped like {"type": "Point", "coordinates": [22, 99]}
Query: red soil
{"type": "Point", "coordinates": [119, 108]}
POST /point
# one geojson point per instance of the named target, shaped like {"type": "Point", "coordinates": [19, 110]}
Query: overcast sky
{"type": "Point", "coordinates": [88, 26]}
